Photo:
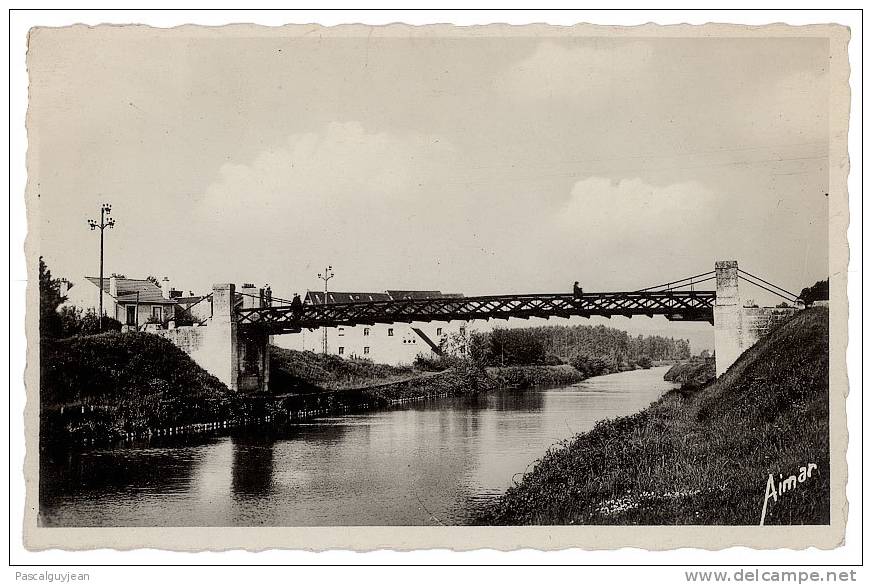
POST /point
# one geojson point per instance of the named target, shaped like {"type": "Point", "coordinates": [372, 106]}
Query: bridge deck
{"type": "Point", "coordinates": [674, 305]}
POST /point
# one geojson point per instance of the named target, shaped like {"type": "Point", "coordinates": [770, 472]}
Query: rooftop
{"type": "Point", "coordinates": [317, 297]}
{"type": "Point", "coordinates": [128, 287]}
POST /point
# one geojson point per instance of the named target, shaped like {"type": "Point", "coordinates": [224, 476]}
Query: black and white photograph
{"type": "Point", "coordinates": [480, 278]}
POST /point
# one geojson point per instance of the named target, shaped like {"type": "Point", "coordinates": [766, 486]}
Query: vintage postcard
{"type": "Point", "coordinates": [400, 287]}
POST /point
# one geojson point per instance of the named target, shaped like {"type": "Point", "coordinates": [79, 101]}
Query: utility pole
{"type": "Point", "coordinates": [105, 221]}
{"type": "Point", "coordinates": [325, 276]}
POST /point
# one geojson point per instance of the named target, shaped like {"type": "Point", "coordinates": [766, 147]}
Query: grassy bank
{"type": "Point", "coordinates": [518, 377]}
{"type": "Point", "coordinates": [105, 387]}
{"type": "Point", "coordinates": [305, 371]}
{"type": "Point", "coordinates": [699, 456]}
{"type": "Point", "coordinates": [692, 374]}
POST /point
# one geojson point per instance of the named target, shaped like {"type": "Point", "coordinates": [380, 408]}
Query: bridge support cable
{"type": "Point", "coordinates": [692, 281]}
{"type": "Point", "coordinates": [767, 289]}
{"type": "Point", "coordinates": [795, 296]}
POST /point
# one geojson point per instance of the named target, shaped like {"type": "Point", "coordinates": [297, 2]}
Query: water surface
{"type": "Point", "coordinates": [422, 464]}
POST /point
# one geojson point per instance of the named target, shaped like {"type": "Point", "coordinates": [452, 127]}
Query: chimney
{"type": "Point", "coordinates": [64, 286]}
{"type": "Point", "coordinates": [165, 287]}
{"type": "Point", "coordinates": [113, 286]}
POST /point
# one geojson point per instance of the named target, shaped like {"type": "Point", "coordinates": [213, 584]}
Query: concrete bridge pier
{"type": "Point", "coordinates": [252, 348]}
{"type": "Point", "coordinates": [738, 327]}
{"type": "Point", "coordinates": [240, 359]}
{"type": "Point", "coordinates": [728, 315]}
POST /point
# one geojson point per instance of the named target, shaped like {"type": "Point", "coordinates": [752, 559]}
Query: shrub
{"type": "Point", "coordinates": [78, 323]}
{"type": "Point", "coordinates": [589, 366]}
{"type": "Point", "coordinates": [436, 363]}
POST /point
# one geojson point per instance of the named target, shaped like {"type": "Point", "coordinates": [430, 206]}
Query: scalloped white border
{"type": "Point", "coordinates": [374, 538]}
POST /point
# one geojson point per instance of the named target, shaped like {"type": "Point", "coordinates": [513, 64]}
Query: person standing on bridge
{"type": "Point", "coordinates": [577, 290]}
{"type": "Point", "coordinates": [297, 307]}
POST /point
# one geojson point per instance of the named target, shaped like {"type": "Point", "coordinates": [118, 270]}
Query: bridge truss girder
{"type": "Point", "coordinates": [674, 305]}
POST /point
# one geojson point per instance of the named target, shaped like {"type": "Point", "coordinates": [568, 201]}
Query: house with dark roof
{"type": "Point", "coordinates": [132, 301]}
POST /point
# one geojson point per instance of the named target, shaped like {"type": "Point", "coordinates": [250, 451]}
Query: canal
{"type": "Point", "coordinates": [421, 464]}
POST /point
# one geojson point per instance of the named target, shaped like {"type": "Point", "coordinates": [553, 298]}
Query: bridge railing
{"type": "Point", "coordinates": [674, 305]}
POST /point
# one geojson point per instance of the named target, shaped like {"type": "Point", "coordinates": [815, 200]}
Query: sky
{"type": "Point", "coordinates": [479, 165]}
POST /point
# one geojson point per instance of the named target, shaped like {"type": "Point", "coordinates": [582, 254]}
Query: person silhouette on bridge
{"type": "Point", "coordinates": [577, 290]}
{"type": "Point", "coordinates": [297, 307]}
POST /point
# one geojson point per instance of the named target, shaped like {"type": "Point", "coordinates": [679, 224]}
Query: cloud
{"type": "Point", "coordinates": [340, 174]}
{"type": "Point", "coordinates": [637, 217]}
{"type": "Point", "coordinates": [338, 161]}
{"type": "Point", "coordinates": [341, 194]}
{"type": "Point", "coordinates": [592, 71]}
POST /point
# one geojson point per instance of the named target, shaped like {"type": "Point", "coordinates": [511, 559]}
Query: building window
{"type": "Point", "coordinates": [365, 331]}
{"type": "Point", "coordinates": [157, 313]}
{"type": "Point", "coordinates": [366, 350]}
{"type": "Point", "coordinates": [341, 331]}
{"type": "Point", "coordinates": [390, 331]}
{"type": "Point", "coordinates": [438, 331]}
{"type": "Point", "coordinates": [341, 350]}
{"type": "Point", "coordinates": [131, 314]}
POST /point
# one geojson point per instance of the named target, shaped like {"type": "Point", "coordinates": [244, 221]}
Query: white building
{"type": "Point", "coordinates": [394, 344]}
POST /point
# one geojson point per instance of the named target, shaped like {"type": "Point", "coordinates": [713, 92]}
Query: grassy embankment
{"type": "Point", "coordinates": [109, 386]}
{"type": "Point", "coordinates": [699, 456]}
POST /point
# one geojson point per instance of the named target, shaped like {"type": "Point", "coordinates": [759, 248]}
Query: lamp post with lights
{"type": "Point", "coordinates": [106, 221]}
{"type": "Point", "coordinates": [325, 276]}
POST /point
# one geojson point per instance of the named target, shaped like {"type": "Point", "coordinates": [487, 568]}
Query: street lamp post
{"type": "Point", "coordinates": [325, 276]}
{"type": "Point", "coordinates": [105, 222]}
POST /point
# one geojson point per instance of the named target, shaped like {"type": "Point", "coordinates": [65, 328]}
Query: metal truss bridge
{"type": "Point", "coordinates": [670, 300]}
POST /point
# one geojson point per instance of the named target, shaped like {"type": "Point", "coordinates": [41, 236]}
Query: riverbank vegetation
{"type": "Point", "coordinates": [517, 377]}
{"type": "Point", "coordinates": [693, 374]}
{"type": "Point", "coordinates": [699, 456]}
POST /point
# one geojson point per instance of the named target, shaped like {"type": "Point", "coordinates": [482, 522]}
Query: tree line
{"type": "Point", "coordinates": [593, 350]}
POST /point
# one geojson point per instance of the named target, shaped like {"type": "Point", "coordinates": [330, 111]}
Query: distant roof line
{"type": "Point", "coordinates": [317, 297]}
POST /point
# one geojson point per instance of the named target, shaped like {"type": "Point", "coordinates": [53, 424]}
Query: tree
{"type": "Point", "coordinates": [516, 347]}
{"type": "Point", "coordinates": [819, 291]}
{"type": "Point", "coordinates": [153, 280]}
{"type": "Point", "coordinates": [50, 298]}
{"type": "Point", "coordinates": [117, 275]}
{"type": "Point", "coordinates": [465, 345]}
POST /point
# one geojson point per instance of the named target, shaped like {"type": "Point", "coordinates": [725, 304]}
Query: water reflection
{"type": "Point", "coordinates": [252, 467]}
{"type": "Point", "coordinates": [422, 464]}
